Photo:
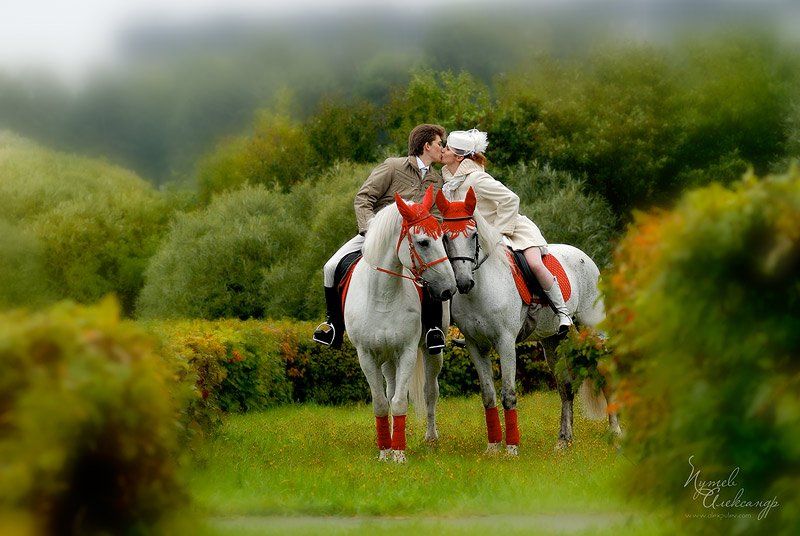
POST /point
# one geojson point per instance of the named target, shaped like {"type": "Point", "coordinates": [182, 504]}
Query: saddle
{"type": "Point", "coordinates": [343, 274]}
{"type": "Point", "coordinates": [528, 286]}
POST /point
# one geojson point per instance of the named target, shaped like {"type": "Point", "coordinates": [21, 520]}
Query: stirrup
{"type": "Point", "coordinates": [434, 341]}
{"type": "Point", "coordinates": [325, 336]}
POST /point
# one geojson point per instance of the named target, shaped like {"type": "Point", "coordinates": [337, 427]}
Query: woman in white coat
{"type": "Point", "coordinates": [464, 163]}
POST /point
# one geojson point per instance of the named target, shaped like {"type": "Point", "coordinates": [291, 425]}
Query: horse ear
{"type": "Point", "coordinates": [405, 212]}
{"type": "Point", "coordinates": [470, 201]}
{"type": "Point", "coordinates": [427, 201]}
{"type": "Point", "coordinates": [442, 203]}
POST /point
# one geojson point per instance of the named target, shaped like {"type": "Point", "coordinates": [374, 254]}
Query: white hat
{"type": "Point", "coordinates": [467, 142]}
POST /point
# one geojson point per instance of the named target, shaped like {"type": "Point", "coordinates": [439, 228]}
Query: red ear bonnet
{"type": "Point", "coordinates": [442, 203]}
{"type": "Point", "coordinates": [457, 214]}
{"type": "Point", "coordinates": [417, 216]}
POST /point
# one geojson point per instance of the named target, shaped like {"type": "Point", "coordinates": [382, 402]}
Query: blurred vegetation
{"type": "Point", "coordinates": [89, 438]}
{"type": "Point", "coordinates": [704, 308]}
{"type": "Point", "coordinates": [77, 228]}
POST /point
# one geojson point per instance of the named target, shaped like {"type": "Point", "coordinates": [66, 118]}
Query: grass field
{"type": "Point", "coordinates": [312, 469]}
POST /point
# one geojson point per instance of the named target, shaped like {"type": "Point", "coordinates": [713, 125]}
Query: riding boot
{"type": "Point", "coordinates": [557, 300]}
{"type": "Point", "coordinates": [331, 332]}
{"type": "Point", "coordinates": [432, 323]}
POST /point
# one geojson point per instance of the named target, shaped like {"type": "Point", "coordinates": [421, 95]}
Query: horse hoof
{"type": "Point", "coordinates": [563, 444]}
{"type": "Point", "coordinates": [492, 449]}
{"type": "Point", "coordinates": [399, 456]}
{"type": "Point", "coordinates": [385, 455]}
{"type": "Point", "coordinates": [432, 439]}
{"type": "Point", "coordinates": [512, 450]}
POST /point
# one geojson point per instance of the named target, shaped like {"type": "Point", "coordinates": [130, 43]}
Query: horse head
{"type": "Point", "coordinates": [425, 255]}
{"type": "Point", "coordinates": [460, 237]}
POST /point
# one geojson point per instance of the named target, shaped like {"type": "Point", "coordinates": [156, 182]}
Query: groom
{"type": "Point", "coordinates": [408, 177]}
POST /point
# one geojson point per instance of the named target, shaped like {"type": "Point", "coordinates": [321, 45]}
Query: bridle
{"type": "Point", "coordinates": [418, 264]}
{"type": "Point", "coordinates": [474, 260]}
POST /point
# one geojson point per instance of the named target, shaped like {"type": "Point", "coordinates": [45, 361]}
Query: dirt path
{"type": "Point", "coordinates": [562, 523]}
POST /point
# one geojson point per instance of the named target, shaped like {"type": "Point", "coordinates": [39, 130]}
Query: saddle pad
{"type": "Point", "coordinates": [524, 288]}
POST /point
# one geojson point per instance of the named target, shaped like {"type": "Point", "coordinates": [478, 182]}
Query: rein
{"type": "Point", "coordinates": [418, 264]}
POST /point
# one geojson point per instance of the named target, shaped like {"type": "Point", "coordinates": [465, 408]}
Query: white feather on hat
{"type": "Point", "coordinates": [468, 142]}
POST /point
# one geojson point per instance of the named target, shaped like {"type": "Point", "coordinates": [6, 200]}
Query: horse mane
{"type": "Point", "coordinates": [490, 239]}
{"type": "Point", "coordinates": [383, 232]}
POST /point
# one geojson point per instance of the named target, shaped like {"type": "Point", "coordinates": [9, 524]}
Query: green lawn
{"type": "Point", "coordinates": [312, 469]}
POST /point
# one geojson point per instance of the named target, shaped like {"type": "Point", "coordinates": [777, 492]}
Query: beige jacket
{"type": "Point", "coordinates": [497, 204]}
{"type": "Point", "coordinates": [394, 175]}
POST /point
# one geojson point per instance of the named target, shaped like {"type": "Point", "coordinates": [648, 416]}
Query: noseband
{"type": "Point", "coordinates": [474, 260]}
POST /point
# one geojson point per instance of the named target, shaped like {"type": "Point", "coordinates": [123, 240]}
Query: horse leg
{"type": "Point", "coordinates": [484, 367]}
{"type": "Point", "coordinates": [399, 402]}
{"type": "Point", "coordinates": [389, 373]}
{"type": "Point", "coordinates": [613, 418]}
{"type": "Point", "coordinates": [508, 367]}
{"type": "Point", "coordinates": [564, 383]}
{"type": "Point", "coordinates": [380, 404]}
{"type": "Point", "coordinates": [433, 366]}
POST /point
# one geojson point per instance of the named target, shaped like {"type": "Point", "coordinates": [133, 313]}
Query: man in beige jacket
{"type": "Point", "coordinates": [408, 177]}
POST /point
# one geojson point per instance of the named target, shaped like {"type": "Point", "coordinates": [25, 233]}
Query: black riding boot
{"type": "Point", "coordinates": [432, 323]}
{"type": "Point", "coordinates": [331, 332]}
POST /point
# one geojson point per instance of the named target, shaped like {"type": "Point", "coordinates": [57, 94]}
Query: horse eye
{"type": "Point", "coordinates": [424, 243]}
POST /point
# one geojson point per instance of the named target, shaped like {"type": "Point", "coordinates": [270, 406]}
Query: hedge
{"type": "Point", "coordinates": [704, 311]}
{"type": "Point", "coordinates": [88, 422]}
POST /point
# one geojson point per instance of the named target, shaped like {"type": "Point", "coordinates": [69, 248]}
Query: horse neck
{"type": "Point", "coordinates": [384, 284]}
{"type": "Point", "coordinates": [491, 270]}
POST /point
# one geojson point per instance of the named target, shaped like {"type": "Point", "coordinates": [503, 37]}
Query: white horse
{"type": "Point", "coordinates": [492, 314]}
{"type": "Point", "coordinates": [382, 315]}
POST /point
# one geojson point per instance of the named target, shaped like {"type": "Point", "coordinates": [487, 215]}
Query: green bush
{"type": "Point", "coordinates": [455, 101]}
{"type": "Point", "coordinates": [254, 252]}
{"type": "Point", "coordinates": [23, 281]}
{"type": "Point", "coordinates": [562, 209]}
{"type": "Point", "coordinates": [88, 437]}
{"type": "Point", "coordinates": [276, 154]}
{"type": "Point", "coordinates": [705, 315]}
{"type": "Point", "coordinates": [94, 225]}
{"type": "Point", "coordinates": [340, 130]}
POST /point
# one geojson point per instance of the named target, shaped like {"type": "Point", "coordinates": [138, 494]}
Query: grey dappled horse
{"type": "Point", "coordinates": [490, 313]}
{"type": "Point", "coordinates": [382, 316]}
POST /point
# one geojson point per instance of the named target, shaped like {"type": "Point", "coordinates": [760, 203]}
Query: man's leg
{"type": "Point", "coordinates": [432, 323]}
{"type": "Point", "coordinates": [331, 332]}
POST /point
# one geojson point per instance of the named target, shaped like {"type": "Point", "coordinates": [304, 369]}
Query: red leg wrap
{"type": "Point", "coordinates": [493, 425]}
{"type": "Point", "coordinates": [512, 430]}
{"type": "Point", "coordinates": [384, 435]}
{"type": "Point", "coordinates": [399, 432]}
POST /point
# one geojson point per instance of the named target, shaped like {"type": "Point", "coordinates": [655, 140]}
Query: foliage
{"type": "Point", "coordinates": [276, 154]}
{"type": "Point", "coordinates": [253, 252]}
{"type": "Point", "coordinates": [562, 208]}
{"type": "Point", "coordinates": [455, 101]}
{"type": "Point", "coordinates": [585, 354]}
{"type": "Point", "coordinates": [23, 281]}
{"type": "Point", "coordinates": [340, 130]}
{"type": "Point", "coordinates": [88, 436]}
{"type": "Point", "coordinates": [704, 311]}
{"type": "Point", "coordinates": [94, 226]}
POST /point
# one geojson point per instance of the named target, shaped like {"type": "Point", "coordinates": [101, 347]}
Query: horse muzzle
{"type": "Point", "coordinates": [465, 285]}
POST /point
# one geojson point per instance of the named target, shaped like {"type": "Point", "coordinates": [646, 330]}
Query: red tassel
{"type": "Point", "coordinates": [512, 430]}
{"type": "Point", "coordinates": [384, 435]}
{"type": "Point", "coordinates": [493, 425]}
{"type": "Point", "coordinates": [399, 432]}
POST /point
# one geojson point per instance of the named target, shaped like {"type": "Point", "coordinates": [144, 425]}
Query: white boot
{"type": "Point", "coordinates": [557, 299]}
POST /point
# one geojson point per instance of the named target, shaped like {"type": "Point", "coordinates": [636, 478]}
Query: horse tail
{"type": "Point", "coordinates": [416, 389]}
{"type": "Point", "coordinates": [593, 401]}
